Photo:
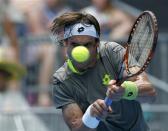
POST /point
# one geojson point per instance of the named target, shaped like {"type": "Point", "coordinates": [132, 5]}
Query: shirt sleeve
{"type": "Point", "coordinates": [116, 55]}
{"type": "Point", "coordinates": [62, 95]}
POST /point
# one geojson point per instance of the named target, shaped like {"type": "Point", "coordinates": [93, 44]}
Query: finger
{"type": "Point", "coordinates": [98, 108]}
{"type": "Point", "coordinates": [112, 85]}
{"type": "Point", "coordinates": [94, 112]}
{"type": "Point", "coordinates": [110, 109]}
{"type": "Point", "coordinates": [103, 105]}
{"type": "Point", "coordinates": [115, 88]}
{"type": "Point", "coordinates": [115, 92]}
{"type": "Point", "coordinates": [112, 82]}
{"type": "Point", "coordinates": [109, 93]}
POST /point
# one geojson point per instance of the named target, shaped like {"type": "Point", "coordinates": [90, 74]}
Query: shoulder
{"type": "Point", "coordinates": [113, 53]}
{"type": "Point", "coordinates": [110, 46]}
{"type": "Point", "coordinates": [61, 74]}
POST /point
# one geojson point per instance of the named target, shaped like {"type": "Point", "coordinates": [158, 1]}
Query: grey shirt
{"type": "Point", "coordinates": [86, 88]}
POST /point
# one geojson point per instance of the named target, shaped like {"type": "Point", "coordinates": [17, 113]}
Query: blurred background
{"type": "Point", "coordinates": [29, 57]}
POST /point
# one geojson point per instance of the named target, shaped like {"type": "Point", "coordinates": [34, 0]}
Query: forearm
{"type": "Point", "coordinates": [146, 94]}
{"type": "Point", "coordinates": [77, 121]}
{"type": "Point", "coordinates": [80, 126]}
{"type": "Point", "coordinates": [146, 91]}
{"type": "Point", "coordinates": [142, 89]}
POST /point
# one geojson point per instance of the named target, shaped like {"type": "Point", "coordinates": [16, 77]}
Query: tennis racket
{"type": "Point", "coordinates": [139, 48]}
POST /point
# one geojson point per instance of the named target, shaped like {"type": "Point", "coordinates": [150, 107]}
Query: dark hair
{"type": "Point", "coordinates": [72, 18]}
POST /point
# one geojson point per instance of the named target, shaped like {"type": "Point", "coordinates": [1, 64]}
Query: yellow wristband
{"type": "Point", "coordinates": [131, 90]}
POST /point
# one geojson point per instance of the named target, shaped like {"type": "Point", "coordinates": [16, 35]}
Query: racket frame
{"type": "Point", "coordinates": [150, 55]}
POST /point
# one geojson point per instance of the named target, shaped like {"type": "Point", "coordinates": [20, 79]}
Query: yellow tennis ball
{"type": "Point", "coordinates": [80, 54]}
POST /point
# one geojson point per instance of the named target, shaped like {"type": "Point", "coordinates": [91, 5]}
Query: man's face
{"type": "Point", "coordinates": [87, 41]}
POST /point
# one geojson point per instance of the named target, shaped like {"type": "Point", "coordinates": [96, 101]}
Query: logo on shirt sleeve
{"type": "Point", "coordinates": [106, 79]}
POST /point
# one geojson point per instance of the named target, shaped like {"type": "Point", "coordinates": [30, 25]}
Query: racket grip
{"type": "Point", "coordinates": [108, 101]}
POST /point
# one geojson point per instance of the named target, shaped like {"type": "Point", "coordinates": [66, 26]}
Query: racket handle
{"type": "Point", "coordinates": [108, 101]}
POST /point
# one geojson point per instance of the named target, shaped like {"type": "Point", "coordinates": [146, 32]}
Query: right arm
{"type": "Point", "coordinates": [73, 115]}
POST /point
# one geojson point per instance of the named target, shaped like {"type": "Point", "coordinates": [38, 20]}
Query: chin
{"type": "Point", "coordinates": [87, 65]}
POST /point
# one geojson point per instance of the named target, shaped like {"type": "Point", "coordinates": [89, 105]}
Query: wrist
{"type": "Point", "coordinates": [131, 90]}
{"type": "Point", "coordinates": [89, 120]}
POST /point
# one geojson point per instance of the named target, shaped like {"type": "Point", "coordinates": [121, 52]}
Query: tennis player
{"type": "Point", "coordinates": [81, 84]}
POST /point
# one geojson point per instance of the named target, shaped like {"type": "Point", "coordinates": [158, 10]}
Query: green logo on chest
{"type": "Point", "coordinates": [106, 79]}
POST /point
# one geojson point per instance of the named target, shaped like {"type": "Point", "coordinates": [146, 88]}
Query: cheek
{"type": "Point", "coordinates": [93, 56]}
{"type": "Point", "coordinates": [68, 50]}
{"type": "Point", "coordinates": [93, 52]}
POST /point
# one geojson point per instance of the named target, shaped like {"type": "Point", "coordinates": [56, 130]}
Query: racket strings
{"type": "Point", "coordinates": [141, 43]}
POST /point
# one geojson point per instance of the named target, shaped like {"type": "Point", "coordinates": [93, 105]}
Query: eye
{"type": "Point", "coordinates": [87, 44]}
{"type": "Point", "coordinates": [74, 44]}
{"type": "Point", "coordinates": [90, 44]}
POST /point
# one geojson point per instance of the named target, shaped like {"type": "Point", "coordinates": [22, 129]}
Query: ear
{"type": "Point", "coordinates": [65, 43]}
{"type": "Point", "coordinates": [97, 44]}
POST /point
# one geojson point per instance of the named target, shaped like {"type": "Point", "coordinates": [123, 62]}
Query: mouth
{"type": "Point", "coordinates": [90, 64]}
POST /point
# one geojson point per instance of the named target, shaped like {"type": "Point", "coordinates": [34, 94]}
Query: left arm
{"type": "Point", "coordinates": [146, 92]}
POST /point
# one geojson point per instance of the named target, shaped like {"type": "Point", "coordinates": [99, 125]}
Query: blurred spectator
{"type": "Point", "coordinates": [115, 24]}
{"type": "Point", "coordinates": [10, 71]}
{"type": "Point", "coordinates": [41, 16]}
{"type": "Point", "coordinates": [10, 19]}
{"type": "Point", "coordinates": [9, 47]}
{"type": "Point", "coordinates": [11, 99]}
{"type": "Point", "coordinates": [42, 54]}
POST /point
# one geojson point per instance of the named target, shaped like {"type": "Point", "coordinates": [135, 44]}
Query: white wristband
{"type": "Point", "coordinates": [89, 120]}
